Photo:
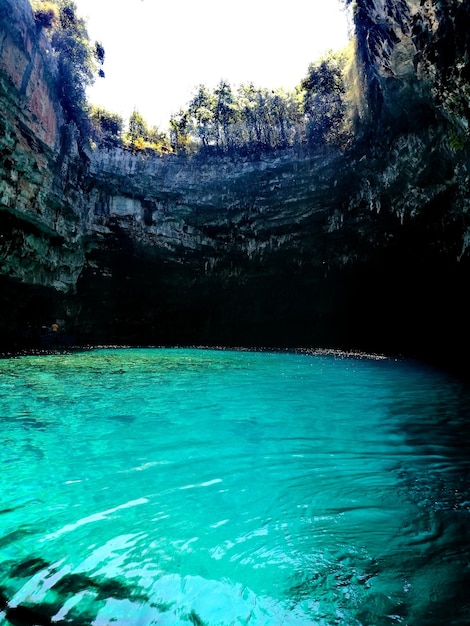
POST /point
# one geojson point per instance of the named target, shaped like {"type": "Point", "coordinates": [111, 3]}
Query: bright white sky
{"type": "Point", "coordinates": [159, 51]}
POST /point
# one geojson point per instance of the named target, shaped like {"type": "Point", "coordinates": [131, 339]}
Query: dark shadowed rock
{"type": "Point", "coordinates": [362, 249]}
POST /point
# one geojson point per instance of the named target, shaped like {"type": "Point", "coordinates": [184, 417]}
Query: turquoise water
{"type": "Point", "coordinates": [185, 486]}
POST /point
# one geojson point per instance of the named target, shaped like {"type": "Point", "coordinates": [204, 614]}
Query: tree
{"type": "Point", "coordinates": [324, 99]}
{"type": "Point", "coordinates": [247, 102]}
{"type": "Point", "coordinates": [225, 114]}
{"type": "Point", "coordinates": [201, 111]}
{"type": "Point", "coordinates": [137, 127]}
{"type": "Point", "coordinates": [78, 60]}
{"type": "Point", "coordinates": [247, 120]}
{"type": "Point", "coordinates": [46, 14]}
{"type": "Point", "coordinates": [141, 136]}
{"type": "Point", "coordinates": [180, 136]}
{"type": "Point", "coordinates": [107, 126]}
{"type": "Point", "coordinates": [158, 140]}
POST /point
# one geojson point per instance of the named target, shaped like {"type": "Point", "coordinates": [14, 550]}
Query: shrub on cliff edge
{"type": "Point", "coordinates": [46, 14]}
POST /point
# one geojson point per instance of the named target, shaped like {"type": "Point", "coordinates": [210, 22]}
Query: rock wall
{"type": "Point", "coordinates": [415, 56]}
{"type": "Point", "coordinates": [366, 249]}
{"type": "Point", "coordinates": [42, 205]}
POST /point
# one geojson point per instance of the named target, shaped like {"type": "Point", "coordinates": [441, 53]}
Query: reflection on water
{"type": "Point", "coordinates": [211, 487]}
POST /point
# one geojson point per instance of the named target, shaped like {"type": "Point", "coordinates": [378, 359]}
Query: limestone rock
{"type": "Point", "coordinates": [367, 248]}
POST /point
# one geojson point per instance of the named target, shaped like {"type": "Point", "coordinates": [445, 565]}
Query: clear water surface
{"type": "Point", "coordinates": [188, 486]}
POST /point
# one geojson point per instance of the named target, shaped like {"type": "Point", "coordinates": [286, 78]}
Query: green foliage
{"type": "Point", "coordinates": [142, 137]}
{"type": "Point", "coordinates": [180, 138]}
{"type": "Point", "coordinates": [107, 127]}
{"type": "Point", "coordinates": [225, 113]}
{"type": "Point", "coordinates": [250, 120]}
{"type": "Point", "coordinates": [245, 120]}
{"type": "Point", "coordinates": [78, 60]}
{"type": "Point", "coordinates": [137, 127]}
{"type": "Point", "coordinates": [201, 115]}
{"type": "Point", "coordinates": [324, 100]}
{"type": "Point", "coordinates": [46, 14]}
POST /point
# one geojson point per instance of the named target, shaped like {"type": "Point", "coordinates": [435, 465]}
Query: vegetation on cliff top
{"type": "Point", "coordinates": [250, 119]}
{"type": "Point", "coordinates": [245, 120]}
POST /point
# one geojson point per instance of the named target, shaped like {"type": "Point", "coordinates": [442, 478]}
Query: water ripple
{"type": "Point", "coordinates": [220, 488]}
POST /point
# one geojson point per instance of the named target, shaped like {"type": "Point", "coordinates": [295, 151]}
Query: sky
{"type": "Point", "coordinates": [157, 52]}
